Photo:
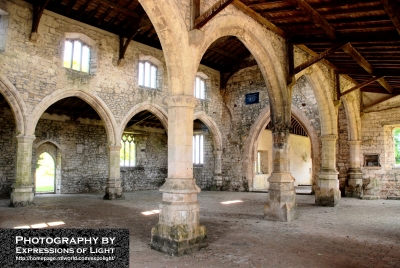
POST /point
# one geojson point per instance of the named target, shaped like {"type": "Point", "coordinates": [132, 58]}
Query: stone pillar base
{"type": "Point", "coordinates": [22, 196]}
{"type": "Point", "coordinates": [327, 194]}
{"type": "Point", "coordinates": [179, 231]}
{"type": "Point", "coordinates": [281, 205]}
{"type": "Point", "coordinates": [327, 197]}
{"type": "Point", "coordinates": [355, 184]}
{"type": "Point", "coordinates": [113, 193]}
{"type": "Point", "coordinates": [218, 180]}
{"type": "Point", "coordinates": [178, 240]}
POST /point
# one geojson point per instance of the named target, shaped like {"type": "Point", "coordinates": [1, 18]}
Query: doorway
{"type": "Point", "coordinates": [45, 174]}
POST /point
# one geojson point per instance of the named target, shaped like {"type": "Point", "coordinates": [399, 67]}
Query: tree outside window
{"type": "Point", "coordinates": [127, 154]}
{"type": "Point", "coordinates": [396, 136]}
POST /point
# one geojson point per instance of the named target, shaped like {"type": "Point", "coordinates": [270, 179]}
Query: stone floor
{"type": "Point", "coordinates": [357, 233]}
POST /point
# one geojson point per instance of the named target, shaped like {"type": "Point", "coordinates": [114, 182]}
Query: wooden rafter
{"type": "Point", "coordinates": [377, 71]}
{"type": "Point", "coordinates": [349, 49]}
{"type": "Point", "coordinates": [392, 10]}
{"type": "Point", "coordinates": [366, 83]}
{"type": "Point", "coordinates": [257, 17]}
{"type": "Point", "coordinates": [70, 6]}
{"type": "Point", "coordinates": [38, 10]}
{"type": "Point", "coordinates": [117, 7]}
{"type": "Point", "coordinates": [316, 59]}
{"type": "Point", "coordinates": [226, 54]}
{"type": "Point", "coordinates": [315, 17]}
{"type": "Point", "coordinates": [83, 8]}
{"type": "Point", "coordinates": [210, 13]}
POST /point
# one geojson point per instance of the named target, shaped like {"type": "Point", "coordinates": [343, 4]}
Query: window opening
{"type": "Point", "coordinates": [76, 55]}
{"type": "Point", "coordinates": [147, 74]}
{"type": "Point", "coordinates": [198, 149]}
{"type": "Point", "coordinates": [200, 88]}
{"type": "Point", "coordinates": [45, 174]}
{"type": "Point", "coordinates": [396, 137]}
{"type": "Point", "coordinates": [127, 154]}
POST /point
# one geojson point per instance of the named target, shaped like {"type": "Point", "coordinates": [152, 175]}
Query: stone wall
{"type": "Point", "coordinates": [151, 163]}
{"type": "Point", "coordinates": [343, 151]}
{"type": "Point", "coordinates": [8, 146]}
{"type": "Point", "coordinates": [84, 160]}
{"type": "Point", "coordinates": [238, 118]}
{"type": "Point", "coordinates": [377, 138]}
{"type": "Point", "coordinates": [204, 174]}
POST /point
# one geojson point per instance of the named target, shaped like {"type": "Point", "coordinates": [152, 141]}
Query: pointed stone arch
{"type": "Point", "coordinates": [96, 103]}
{"type": "Point", "coordinates": [153, 108]}
{"type": "Point", "coordinates": [173, 35]}
{"type": "Point", "coordinates": [210, 123]}
{"type": "Point", "coordinates": [260, 43]}
{"type": "Point", "coordinates": [260, 124]}
{"type": "Point", "coordinates": [14, 99]}
{"type": "Point", "coordinates": [320, 86]}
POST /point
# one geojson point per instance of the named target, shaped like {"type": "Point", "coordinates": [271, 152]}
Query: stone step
{"type": "Point", "coordinates": [370, 197]}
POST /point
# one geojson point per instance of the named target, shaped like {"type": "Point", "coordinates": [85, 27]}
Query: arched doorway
{"type": "Point", "coordinates": [300, 154]}
{"type": "Point", "coordinates": [45, 174]}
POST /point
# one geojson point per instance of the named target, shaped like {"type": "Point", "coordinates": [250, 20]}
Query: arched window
{"type": "Point", "coordinates": [198, 149]}
{"type": "Point", "coordinates": [76, 55]}
{"type": "Point", "coordinates": [147, 74]}
{"type": "Point", "coordinates": [200, 88]}
{"type": "Point", "coordinates": [127, 154]}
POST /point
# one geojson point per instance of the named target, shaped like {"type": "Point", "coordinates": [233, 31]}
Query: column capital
{"type": "Point", "coordinates": [279, 128]}
{"type": "Point", "coordinates": [354, 142]}
{"type": "Point", "coordinates": [217, 153]}
{"type": "Point", "coordinates": [25, 139]}
{"type": "Point", "coordinates": [329, 137]}
{"type": "Point", "coordinates": [114, 147]}
{"type": "Point", "coordinates": [181, 101]}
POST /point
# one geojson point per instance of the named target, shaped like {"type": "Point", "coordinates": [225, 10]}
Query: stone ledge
{"type": "Point", "coordinates": [370, 197]}
{"type": "Point", "coordinates": [393, 197]}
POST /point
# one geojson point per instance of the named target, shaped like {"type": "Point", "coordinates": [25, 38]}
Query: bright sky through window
{"type": "Point", "coordinates": [199, 88]}
{"type": "Point", "coordinates": [198, 157]}
{"type": "Point", "coordinates": [76, 56]}
{"type": "Point", "coordinates": [147, 74]}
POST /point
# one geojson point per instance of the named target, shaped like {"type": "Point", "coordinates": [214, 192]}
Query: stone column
{"type": "Point", "coordinates": [22, 189]}
{"type": "Point", "coordinates": [218, 167]}
{"type": "Point", "coordinates": [354, 174]}
{"type": "Point", "coordinates": [113, 189]}
{"type": "Point", "coordinates": [178, 231]}
{"type": "Point", "coordinates": [327, 192]}
{"type": "Point", "coordinates": [281, 204]}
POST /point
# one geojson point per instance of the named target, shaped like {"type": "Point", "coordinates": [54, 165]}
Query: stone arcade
{"type": "Point", "coordinates": [191, 95]}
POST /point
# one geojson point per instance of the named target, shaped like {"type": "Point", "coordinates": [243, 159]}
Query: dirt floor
{"type": "Point", "coordinates": [357, 233]}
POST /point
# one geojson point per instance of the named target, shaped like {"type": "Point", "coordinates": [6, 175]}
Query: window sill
{"type": "Point", "coordinates": [373, 167]}
{"type": "Point", "coordinates": [150, 88]}
{"type": "Point", "coordinates": [197, 165]}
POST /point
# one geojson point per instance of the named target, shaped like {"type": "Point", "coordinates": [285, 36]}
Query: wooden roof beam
{"type": "Point", "coordinates": [392, 10]}
{"type": "Point", "coordinates": [117, 7]}
{"type": "Point", "coordinates": [349, 49]}
{"type": "Point", "coordinates": [83, 8]}
{"type": "Point", "coordinates": [260, 19]}
{"type": "Point", "coordinates": [366, 83]}
{"type": "Point", "coordinates": [210, 13]}
{"type": "Point", "coordinates": [320, 56]}
{"type": "Point", "coordinates": [38, 10]}
{"type": "Point", "coordinates": [315, 17]}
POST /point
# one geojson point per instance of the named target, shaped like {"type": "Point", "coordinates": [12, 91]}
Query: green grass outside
{"type": "Point", "coordinates": [45, 189]}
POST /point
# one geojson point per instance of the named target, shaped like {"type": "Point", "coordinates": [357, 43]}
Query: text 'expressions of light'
{"type": "Point", "coordinates": [231, 202]}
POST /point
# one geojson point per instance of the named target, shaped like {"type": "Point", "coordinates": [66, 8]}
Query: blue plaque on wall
{"type": "Point", "coordinates": [252, 98]}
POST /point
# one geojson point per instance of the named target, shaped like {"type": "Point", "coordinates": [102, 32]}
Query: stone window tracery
{"type": "Point", "coordinates": [148, 74]}
{"type": "Point", "coordinates": [127, 154]}
{"type": "Point", "coordinates": [76, 55]}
